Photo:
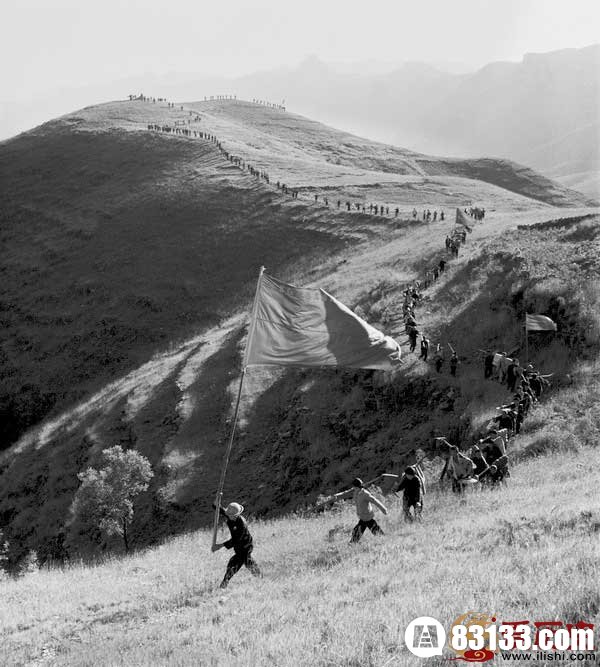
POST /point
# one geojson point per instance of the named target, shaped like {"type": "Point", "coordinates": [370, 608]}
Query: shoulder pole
{"type": "Point", "coordinates": [236, 411]}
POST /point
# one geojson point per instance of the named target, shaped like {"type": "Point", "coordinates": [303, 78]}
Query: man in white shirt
{"type": "Point", "coordinates": [364, 501]}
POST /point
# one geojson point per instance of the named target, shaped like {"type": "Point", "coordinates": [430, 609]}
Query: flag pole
{"type": "Point", "coordinates": [526, 341]}
{"type": "Point", "coordinates": [237, 409]}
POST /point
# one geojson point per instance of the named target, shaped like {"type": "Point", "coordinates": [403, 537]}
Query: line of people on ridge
{"type": "Point", "coordinates": [476, 213]}
{"type": "Point", "coordinates": [271, 105]}
{"type": "Point", "coordinates": [485, 462]}
{"type": "Point", "coordinates": [374, 209]}
{"type": "Point", "coordinates": [237, 161]}
{"type": "Point", "coordinates": [207, 98]}
{"type": "Point", "coordinates": [413, 294]}
{"type": "Point", "coordinates": [427, 215]}
{"type": "Point", "coordinates": [487, 459]}
{"type": "Point", "coordinates": [153, 100]}
{"type": "Point", "coordinates": [380, 210]}
{"type": "Point", "coordinates": [264, 103]}
{"type": "Point", "coordinates": [144, 98]}
{"type": "Point", "coordinates": [219, 97]}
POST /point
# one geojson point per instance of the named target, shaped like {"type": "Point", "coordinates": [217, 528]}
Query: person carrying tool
{"type": "Point", "coordinates": [414, 490]}
{"type": "Point", "coordinates": [241, 542]}
{"type": "Point", "coordinates": [364, 501]}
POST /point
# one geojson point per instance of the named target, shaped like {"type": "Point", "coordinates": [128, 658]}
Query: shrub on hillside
{"type": "Point", "coordinates": [573, 306]}
{"type": "Point", "coordinates": [3, 556]}
{"type": "Point", "coordinates": [29, 564]}
{"type": "Point", "coordinates": [104, 501]}
{"type": "Point", "coordinates": [20, 408]}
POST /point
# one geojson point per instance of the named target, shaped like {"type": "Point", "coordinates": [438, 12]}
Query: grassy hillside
{"type": "Point", "coordinates": [529, 550]}
{"type": "Point", "coordinates": [118, 242]}
{"type": "Point", "coordinates": [286, 144]}
{"type": "Point", "coordinates": [131, 259]}
{"type": "Point", "coordinates": [579, 165]}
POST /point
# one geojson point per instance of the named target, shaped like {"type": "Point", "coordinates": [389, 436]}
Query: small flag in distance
{"type": "Point", "coordinates": [539, 323]}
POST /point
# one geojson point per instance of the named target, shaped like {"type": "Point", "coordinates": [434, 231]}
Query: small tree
{"type": "Point", "coordinates": [105, 497]}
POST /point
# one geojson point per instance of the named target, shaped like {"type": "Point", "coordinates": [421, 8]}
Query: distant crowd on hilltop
{"type": "Point", "coordinates": [264, 103]}
{"type": "Point", "coordinates": [144, 98]}
{"type": "Point", "coordinates": [207, 98]}
{"type": "Point", "coordinates": [271, 105]}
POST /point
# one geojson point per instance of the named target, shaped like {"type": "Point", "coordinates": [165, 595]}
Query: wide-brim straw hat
{"type": "Point", "coordinates": [233, 510]}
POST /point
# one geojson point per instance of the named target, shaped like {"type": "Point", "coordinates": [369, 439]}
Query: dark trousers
{"type": "Point", "coordinates": [417, 506]}
{"type": "Point", "coordinates": [361, 526]}
{"type": "Point", "coordinates": [235, 563]}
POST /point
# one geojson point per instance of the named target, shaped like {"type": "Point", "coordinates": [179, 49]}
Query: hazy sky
{"type": "Point", "coordinates": [53, 43]}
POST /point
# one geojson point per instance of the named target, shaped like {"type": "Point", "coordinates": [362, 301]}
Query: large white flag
{"type": "Point", "coordinates": [300, 326]}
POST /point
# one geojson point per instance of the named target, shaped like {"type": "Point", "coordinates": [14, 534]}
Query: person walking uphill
{"type": "Point", "coordinates": [412, 486]}
{"type": "Point", "coordinates": [364, 501]}
{"type": "Point", "coordinates": [241, 542]}
{"type": "Point", "coordinates": [424, 347]}
{"type": "Point", "coordinates": [453, 363]}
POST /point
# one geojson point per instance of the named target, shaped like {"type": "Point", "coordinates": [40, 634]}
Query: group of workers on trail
{"type": "Point", "coordinates": [412, 483]}
{"type": "Point", "coordinates": [484, 463]}
{"type": "Point", "coordinates": [427, 215]}
{"type": "Point", "coordinates": [412, 296]}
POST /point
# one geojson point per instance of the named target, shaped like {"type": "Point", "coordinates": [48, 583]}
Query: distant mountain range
{"type": "Point", "coordinates": [543, 112]}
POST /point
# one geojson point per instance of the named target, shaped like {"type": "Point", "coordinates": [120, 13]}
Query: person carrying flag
{"type": "Point", "coordinates": [241, 542]}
